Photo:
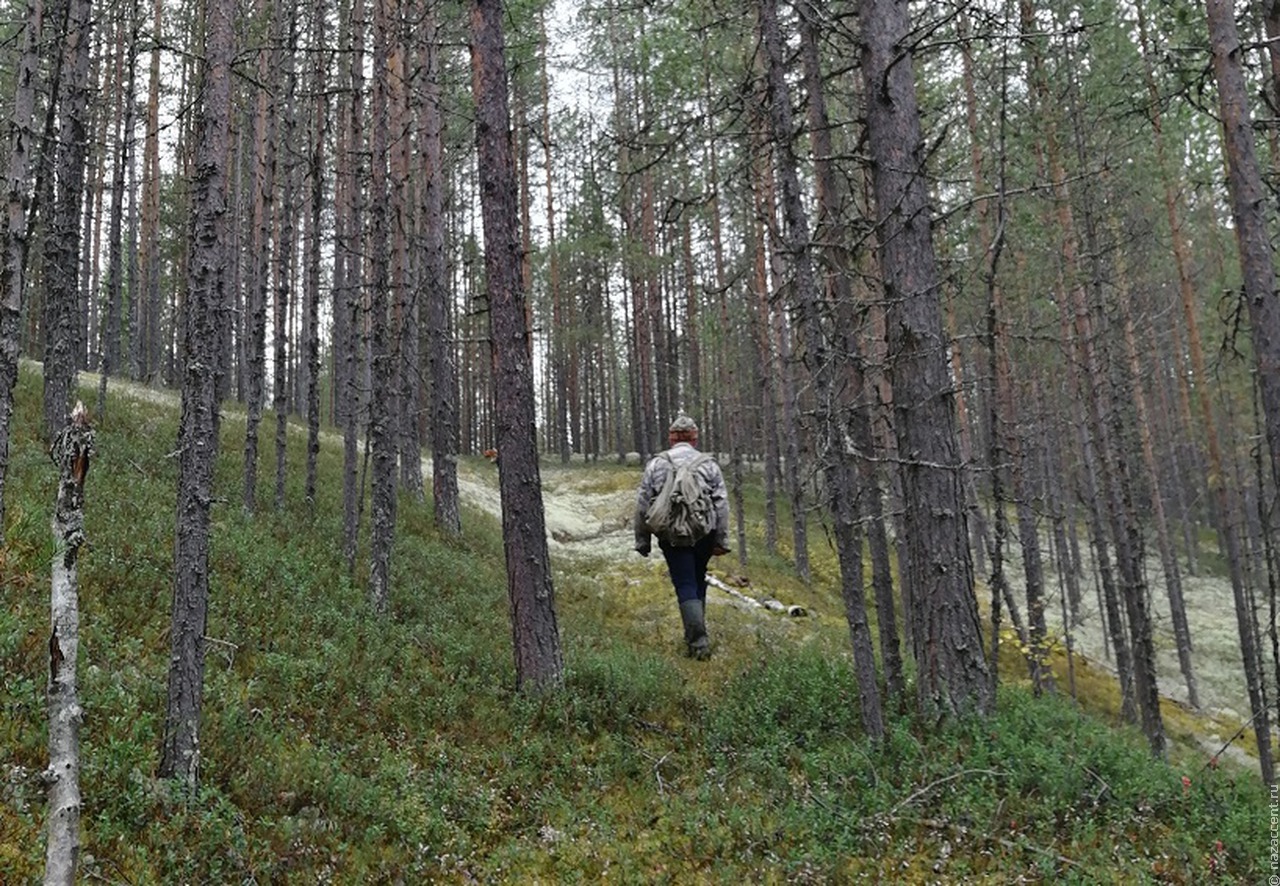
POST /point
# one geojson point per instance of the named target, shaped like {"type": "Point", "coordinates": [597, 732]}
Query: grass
{"type": "Point", "coordinates": [343, 747]}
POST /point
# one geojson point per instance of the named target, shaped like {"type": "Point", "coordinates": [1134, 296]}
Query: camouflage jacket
{"type": "Point", "coordinates": [655, 474]}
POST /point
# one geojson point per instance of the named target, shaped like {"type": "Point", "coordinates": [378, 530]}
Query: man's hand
{"type": "Point", "coordinates": [643, 549]}
{"type": "Point", "coordinates": [719, 551]}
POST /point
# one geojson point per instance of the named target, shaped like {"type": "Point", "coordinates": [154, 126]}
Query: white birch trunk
{"type": "Point", "coordinates": [71, 451]}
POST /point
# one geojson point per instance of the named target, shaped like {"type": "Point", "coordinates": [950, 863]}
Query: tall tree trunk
{"type": "Point", "coordinates": [62, 240]}
{"type": "Point", "coordinates": [850, 361]}
{"type": "Point", "coordinates": [536, 637]}
{"type": "Point", "coordinates": [1248, 202]}
{"type": "Point", "coordinates": [71, 452]}
{"type": "Point", "coordinates": [952, 669]}
{"type": "Point", "coordinates": [408, 370]}
{"type": "Point", "coordinates": [105, 124]}
{"type": "Point", "coordinates": [264, 137]}
{"type": "Point", "coordinates": [311, 313]}
{"type": "Point", "coordinates": [197, 438]}
{"type": "Point", "coordinates": [440, 347]}
{"type": "Point", "coordinates": [147, 348]}
{"type": "Point", "coordinates": [766, 358]}
{"type": "Point", "coordinates": [284, 257]}
{"type": "Point", "coordinates": [1249, 205]}
{"type": "Point", "coordinates": [837, 464]}
{"type": "Point", "coordinates": [382, 405]}
{"type": "Point", "coordinates": [132, 277]}
{"type": "Point", "coordinates": [348, 360]}
{"type": "Point", "coordinates": [560, 364]}
{"type": "Point", "coordinates": [22, 139]}
{"type": "Point", "coordinates": [110, 333]}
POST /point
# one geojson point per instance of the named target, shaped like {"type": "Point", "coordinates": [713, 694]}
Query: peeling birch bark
{"type": "Point", "coordinates": [71, 452]}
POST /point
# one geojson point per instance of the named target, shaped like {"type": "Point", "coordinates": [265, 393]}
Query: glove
{"type": "Point", "coordinates": [643, 548]}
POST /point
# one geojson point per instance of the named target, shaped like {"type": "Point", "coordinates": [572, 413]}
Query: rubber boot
{"type": "Point", "coordinates": [695, 629]}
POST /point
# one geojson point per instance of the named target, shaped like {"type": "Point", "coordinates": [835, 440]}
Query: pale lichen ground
{"type": "Point", "coordinates": [1216, 660]}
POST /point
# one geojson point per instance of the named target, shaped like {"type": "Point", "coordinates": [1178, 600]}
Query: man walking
{"type": "Point", "coordinates": [687, 553]}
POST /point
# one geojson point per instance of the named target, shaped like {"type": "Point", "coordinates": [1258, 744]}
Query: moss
{"type": "Point", "coordinates": [344, 747]}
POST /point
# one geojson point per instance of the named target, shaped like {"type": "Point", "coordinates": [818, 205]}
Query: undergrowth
{"type": "Point", "coordinates": [342, 747]}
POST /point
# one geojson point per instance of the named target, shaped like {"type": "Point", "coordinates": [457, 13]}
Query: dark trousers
{"type": "Point", "coordinates": [688, 568]}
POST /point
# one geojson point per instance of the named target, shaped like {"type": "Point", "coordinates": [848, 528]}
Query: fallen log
{"type": "Point", "coordinates": [769, 603]}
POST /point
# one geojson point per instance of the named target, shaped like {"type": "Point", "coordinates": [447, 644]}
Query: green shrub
{"type": "Point", "coordinates": [340, 746]}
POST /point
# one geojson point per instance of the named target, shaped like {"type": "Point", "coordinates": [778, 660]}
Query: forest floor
{"type": "Point", "coordinates": [587, 518]}
{"type": "Point", "coordinates": [345, 745]}
{"type": "Point", "coordinates": [589, 508]}
{"type": "Point", "coordinates": [1216, 661]}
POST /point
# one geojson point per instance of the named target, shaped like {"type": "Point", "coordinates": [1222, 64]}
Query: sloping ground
{"type": "Point", "coordinates": [588, 516]}
{"type": "Point", "coordinates": [343, 747]}
{"type": "Point", "coordinates": [1216, 661]}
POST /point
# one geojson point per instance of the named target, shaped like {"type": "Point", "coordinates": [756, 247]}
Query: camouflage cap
{"type": "Point", "coordinates": [683, 425]}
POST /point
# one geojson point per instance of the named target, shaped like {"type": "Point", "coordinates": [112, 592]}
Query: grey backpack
{"type": "Point", "coordinates": [682, 512]}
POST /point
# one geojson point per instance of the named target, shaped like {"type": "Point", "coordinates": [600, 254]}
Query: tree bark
{"type": "Point", "coordinates": [284, 255]}
{"type": "Point", "coordinates": [850, 360]}
{"type": "Point", "coordinates": [382, 405]}
{"type": "Point", "coordinates": [22, 140]}
{"type": "Point", "coordinates": [264, 137]}
{"type": "Point", "coordinates": [952, 669]}
{"type": "Point", "coordinates": [1248, 201]}
{"type": "Point", "coordinates": [311, 311]}
{"type": "Point", "coordinates": [197, 439]}
{"type": "Point", "coordinates": [405, 290]}
{"type": "Point", "coordinates": [539, 662]}
{"type": "Point", "coordinates": [146, 352]}
{"type": "Point", "coordinates": [766, 360]}
{"type": "Point", "coordinates": [62, 239]}
{"type": "Point", "coordinates": [347, 313]}
{"type": "Point", "coordinates": [71, 452]}
{"type": "Point", "coordinates": [1249, 207]}
{"type": "Point", "coordinates": [837, 463]}
{"type": "Point", "coordinates": [442, 364]}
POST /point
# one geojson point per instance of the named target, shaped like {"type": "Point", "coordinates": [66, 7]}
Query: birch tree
{"type": "Point", "coordinates": [71, 452]}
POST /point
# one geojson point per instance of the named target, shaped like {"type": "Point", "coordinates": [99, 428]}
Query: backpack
{"type": "Point", "coordinates": [682, 512]}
